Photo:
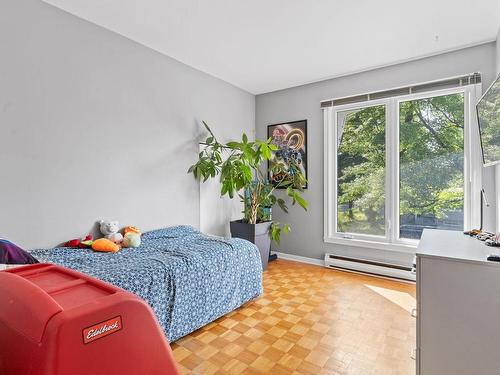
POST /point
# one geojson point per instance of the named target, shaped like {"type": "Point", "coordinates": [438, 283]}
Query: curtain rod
{"type": "Point", "coordinates": [463, 80]}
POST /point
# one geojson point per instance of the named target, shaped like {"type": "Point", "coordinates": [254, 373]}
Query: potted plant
{"type": "Point", "coordinates": [240, 166]}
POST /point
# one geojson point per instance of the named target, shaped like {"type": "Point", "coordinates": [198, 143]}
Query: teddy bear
{"type": "Point", "coordinates": [110, 230]}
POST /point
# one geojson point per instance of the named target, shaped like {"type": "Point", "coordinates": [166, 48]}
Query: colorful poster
{"type": "Point", "coordinates": [291, 140]}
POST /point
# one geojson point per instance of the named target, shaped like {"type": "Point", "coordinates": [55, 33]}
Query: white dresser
{"type": "Point", "coordinates": [458, 306]}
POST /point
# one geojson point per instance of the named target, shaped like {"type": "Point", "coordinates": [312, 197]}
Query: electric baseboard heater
{"type": "Point", "coordinates": [370, 267]}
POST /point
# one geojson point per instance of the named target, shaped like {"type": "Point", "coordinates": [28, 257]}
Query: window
{"type": "Point", "coordinates": [431, 164]}
{"type": "Point", "coordinates": [396, 166]}
{"type": "Point", "coordinates": [361, 171]}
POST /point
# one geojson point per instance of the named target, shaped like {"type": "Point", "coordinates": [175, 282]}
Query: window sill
{"type": "Point", "coordinates": [399, 247]}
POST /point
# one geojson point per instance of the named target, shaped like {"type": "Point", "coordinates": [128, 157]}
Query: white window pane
{"type": "Point", "coordinates": [431, 158]}
{"type": "Point", "coordinates": [361, 171]}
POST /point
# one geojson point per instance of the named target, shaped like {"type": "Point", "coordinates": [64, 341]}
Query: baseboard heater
{"type": "Point", "coordinates": [370, 267]}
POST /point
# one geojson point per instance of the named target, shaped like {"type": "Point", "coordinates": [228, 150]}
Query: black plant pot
{"type": "Point", "coordinates": [257, 234]}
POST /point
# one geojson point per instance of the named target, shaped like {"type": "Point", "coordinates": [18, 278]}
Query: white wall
{"type": "Point", "coordinates": [216, 211]}
{"type": "Point", "coordinates": [93, 125]}
{"type": "Point", "coordinates": [306, 238]}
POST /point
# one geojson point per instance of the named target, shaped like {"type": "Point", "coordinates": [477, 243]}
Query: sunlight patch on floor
{"type": "Point", "coordinates": [404, 300]}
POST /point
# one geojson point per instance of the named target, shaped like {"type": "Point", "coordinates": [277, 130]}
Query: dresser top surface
{"type": "Point", "coordinates": [454, 245]}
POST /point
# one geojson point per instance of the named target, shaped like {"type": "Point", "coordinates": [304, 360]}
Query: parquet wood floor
{"type": "Point", "coordinates": [310, 320]}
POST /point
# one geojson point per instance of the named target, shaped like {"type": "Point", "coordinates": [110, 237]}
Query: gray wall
{"type": "Point", "coordinates": [498, 52]}
{"type": "Point", "coordinates": [306, 238]}
{"type": "Point", "coordinates": [497, 168]}
{"type": "Point", "coordinates": [93, 125]}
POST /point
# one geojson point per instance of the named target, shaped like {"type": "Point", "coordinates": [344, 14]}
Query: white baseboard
{"type": "Point", "coordinates": [298, 258]}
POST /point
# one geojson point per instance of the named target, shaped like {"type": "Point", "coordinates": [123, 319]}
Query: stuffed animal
{"type": "Point", "coordinates": [81, 243]}
{"type": "Point", "coordinates": [131, 240]}
{"type": "Point", "coordinates": [73, 243]}
{"type": "Point", "coordinates": [110, 230]}
{"type": "Point", "coordinates": [105, 245]}
{"type": "Point", "coordinates": [131, 237]}
{"type": "Point", "coordinates": [130, 229]}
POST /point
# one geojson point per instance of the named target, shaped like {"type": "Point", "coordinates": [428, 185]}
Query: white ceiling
{"type": "Point", "coordinates": [267, 45]}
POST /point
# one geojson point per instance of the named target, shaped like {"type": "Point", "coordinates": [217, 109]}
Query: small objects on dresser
{"type": "Point", "coordinates": [493, 241]}
{"type": "Point", "coordinates": [494, 258]}
{"type": "Point", "coordinates": [483, 236]}
{"type": "Point", "coordinates": [473, 232]}
{"type": "Point", "coordinates": [131, 237]}
{"type": "Point", "coordinates": [82, 243]}
{"type": "Point", "coordinates": [110, 230]}
{"type": "Point", "coordinates": [105, 245]}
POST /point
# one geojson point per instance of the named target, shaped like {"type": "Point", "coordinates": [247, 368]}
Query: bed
{"type": "Point", "coordinates": [189, 279]}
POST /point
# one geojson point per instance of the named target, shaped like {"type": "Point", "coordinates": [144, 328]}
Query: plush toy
{"type": "Point", "coordinates": [86, 242]}
{"type": "Point", "coordinates": [131, 230]}
{"type": "Point", "coordinates": [110, 230]}
{"type": "Point", "coordinates": [73, 243]}
{"type": "Point", "coordinates": [131, 237]}
{"type": "Point", "coordinates": [105, 245]}
{"type": "Point", "coordinates": [81, 243]}
{"type": "Point", "coordinates": [131, 240]}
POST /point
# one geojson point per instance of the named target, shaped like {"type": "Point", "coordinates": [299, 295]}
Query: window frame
{"type": "Point", "coordinates": [391, 240]}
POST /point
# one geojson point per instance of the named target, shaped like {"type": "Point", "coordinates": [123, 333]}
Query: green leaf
{"type": "Point", "coordinates": [301, 201]}
{"type": "Point", "coordinates": [275, 232]}
{"type": "Point", "coordinates": [247, 171]}
{"type": "Point", "coordinates": [265, 151]}
{"type": "Point", "coordinates": [282, 204]}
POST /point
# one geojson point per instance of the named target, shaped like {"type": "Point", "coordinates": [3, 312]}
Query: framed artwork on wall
{"type": "Point", "coordinates": [291, 140]}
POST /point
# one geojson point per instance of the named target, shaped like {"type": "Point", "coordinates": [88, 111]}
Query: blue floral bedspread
{"type": "Point", "coordinates": [189, 279]}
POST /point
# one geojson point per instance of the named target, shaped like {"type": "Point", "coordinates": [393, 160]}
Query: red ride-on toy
{"type": "Point", "coordinates": [55, 321]}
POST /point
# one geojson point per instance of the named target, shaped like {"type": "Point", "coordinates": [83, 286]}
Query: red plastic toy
{"type": "Point", "coordinates": [55, 321]}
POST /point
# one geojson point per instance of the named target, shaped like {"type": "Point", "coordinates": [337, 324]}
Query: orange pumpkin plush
{"type": "Point", "coordinates": [130, 229]}
{"type": "Point", "coordinates": [105, 245]}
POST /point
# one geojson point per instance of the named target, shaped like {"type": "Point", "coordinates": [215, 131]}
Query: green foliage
{"type": "Point", "coordinates": [361, 172]}
{"type": "Point", "coordinates": [431, 155]}
{"type": "Point", "coordinates": [276, 230]}
{"type": "Point", "coordinates": [239, 166]}
{"type": "Point", "coordinates": [489, 113]}
{"type": "Point", "coordinates": [431, 142]}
